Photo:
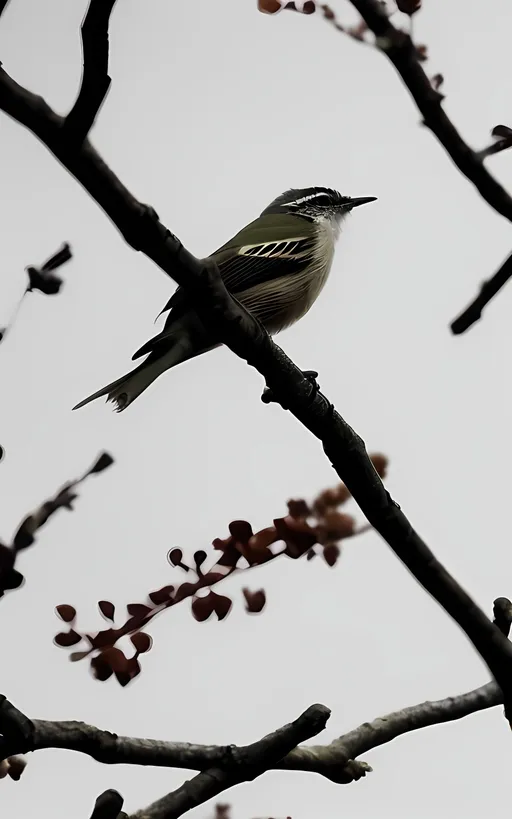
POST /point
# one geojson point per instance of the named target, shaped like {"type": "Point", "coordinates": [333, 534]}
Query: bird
{"type": "Point", "coordinates": [275, 267]}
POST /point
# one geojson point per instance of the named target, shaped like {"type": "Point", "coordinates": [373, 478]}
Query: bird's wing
{"type": "Point", "coordinates": [268, 229]}
{"type": "Point", "coordinates": [244, 264]}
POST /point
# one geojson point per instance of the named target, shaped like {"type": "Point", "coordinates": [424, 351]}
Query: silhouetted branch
{"type": "Point", "coordinates": [10, 577]}
{"type": "Point", "coordinates": [502, 611]}
{"type": "Point", "coordinates": [502, 135]}
{"type": "Point", "coordinates": [95, 78]}
{"type": "Point", "coordinates": [3, 4]}
{"type": "Point", "coordinates": [41, 278]}
{"type": "Point", "coordinates": [401, 51]}
{"type": "Point", "coordinates": [473, 312]}
{"type": "Point", "coordinates": [241, 332]}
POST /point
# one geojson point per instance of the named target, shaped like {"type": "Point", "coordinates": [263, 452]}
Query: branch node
{"type": "Point", "coordinates": [108, 805]}
{"type": "Point", "coordinates": [502, 611]}
{"type": "Point", "coordinates": [95, 78]}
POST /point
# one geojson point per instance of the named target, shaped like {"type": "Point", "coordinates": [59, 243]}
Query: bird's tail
{"type": "Point", "coordinates": [126, 389]}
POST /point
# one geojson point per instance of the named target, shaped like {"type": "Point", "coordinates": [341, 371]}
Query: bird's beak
{"type": "Point", "coordinates": [360, 200]}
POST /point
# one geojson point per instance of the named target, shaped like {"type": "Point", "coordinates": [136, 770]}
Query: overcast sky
{"type": "Point", "coordinates": [215, 109]}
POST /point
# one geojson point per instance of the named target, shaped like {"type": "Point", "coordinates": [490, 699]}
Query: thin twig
{"type": "Point", "coordinates": [42, 278]}
{"type": "Point", "coordinates": [473, 312]}
{"type": "Point", "coordinates": [95, 78]}
{"type": "Point", "coordinates": [25, 535]}
{"type": "Point", "coordinates": [495, 148]}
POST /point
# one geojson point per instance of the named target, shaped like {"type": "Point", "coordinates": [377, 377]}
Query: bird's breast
{"type": "Point", "coordinates": [321, 263]}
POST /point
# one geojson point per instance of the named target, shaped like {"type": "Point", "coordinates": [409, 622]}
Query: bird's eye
{"type": "Point", "coordinates": [323, 199]}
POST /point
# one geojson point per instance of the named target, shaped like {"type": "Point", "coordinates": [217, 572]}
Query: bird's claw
{"type": "Point", "coordinates": [268, 396]}
{"type": "Point", "coordinates": [312, 375]}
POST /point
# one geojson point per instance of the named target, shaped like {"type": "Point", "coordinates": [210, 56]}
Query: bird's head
{"type": "Point", "coordinates": [316, 204]}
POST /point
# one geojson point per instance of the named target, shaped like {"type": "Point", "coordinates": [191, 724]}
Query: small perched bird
{"type": "Point", "coordinates": [276, 267]}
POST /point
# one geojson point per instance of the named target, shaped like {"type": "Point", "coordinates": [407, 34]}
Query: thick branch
{"type": "Point", "coordinates": [473, 312]}
{"type": "Point", "coordinates": [111, 749]}
{"type": "Point", "coordinates": [244, 764]}
{"type": "Point", "coordinates": [244, 336]}
{"type": "Point", "coordinates": [95, 78]}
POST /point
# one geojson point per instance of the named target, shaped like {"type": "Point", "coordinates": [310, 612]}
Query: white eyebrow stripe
{"type": "Point", "coordinates": [309, 197]}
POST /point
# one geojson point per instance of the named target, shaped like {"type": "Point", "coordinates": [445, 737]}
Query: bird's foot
{"type": "Point", "coordinates": [312, 375]}
{"type": "Point", "coordinates": [268, 396]}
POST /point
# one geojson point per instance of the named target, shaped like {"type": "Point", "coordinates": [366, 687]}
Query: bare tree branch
{"type": "Point", "coordinates": [41, 278]}
{"type": "Point", "coordinates": [399, 48]}
{"type": "Point", "coordinates": [502, 141]}
{"type": "Point", "coordinates": [240, 331]}
{"type": "Point", "coordinates": [111, 749]}
{"type": "Point", "coordinates": [502, 610]}
{"type": "Point", "coordinates": [244, 764]}
{"type": "Point", "coordinates": [95, 78]}
{"type": "Point", "coordinates": [336, 761]}
{"type": "Point", "coordinates": [10, 577]}
{"type": "Point", "coordinates": [401, 51]}
{"type": "Point", "coordinates": [331, 762]}
{"type": "Point", "coordinates": [473, 312]}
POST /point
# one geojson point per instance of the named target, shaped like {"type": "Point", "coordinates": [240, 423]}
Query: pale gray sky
{"type": "Point", "coordinates": [215, 109]}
